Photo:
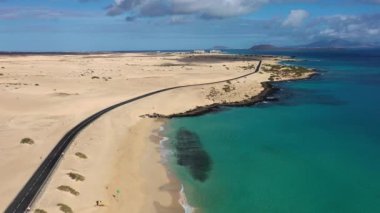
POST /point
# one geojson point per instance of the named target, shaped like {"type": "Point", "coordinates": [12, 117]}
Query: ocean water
{"type": "Point", "coordinates": [316, 149]}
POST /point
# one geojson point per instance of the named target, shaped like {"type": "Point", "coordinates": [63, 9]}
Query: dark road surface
{"type": "Point", "coordinates": [29, 192]}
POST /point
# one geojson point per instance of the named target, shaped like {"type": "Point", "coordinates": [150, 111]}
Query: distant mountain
{"type": "Point", "coordinates": [264, 47]}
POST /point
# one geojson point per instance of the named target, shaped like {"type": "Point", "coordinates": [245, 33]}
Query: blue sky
{"type": "Point", "coordinates": [91, 25]}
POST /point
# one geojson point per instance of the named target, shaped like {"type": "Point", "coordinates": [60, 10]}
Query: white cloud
{"type": "Point", "coordinates": [41, 13]}
{"type": "Point", "coordinates": [295, 18]}
{"type": "Point", "coordinates": [355, 27]}
{"type": "Point", "coordinates": [328, 33]}
{"type": "Point", "coordinates": [202, 8]}
{"type": "Point", "coordinates": [373, 31]}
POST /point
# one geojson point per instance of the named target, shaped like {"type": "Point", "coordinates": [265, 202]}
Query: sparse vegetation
{"type": "Point", "coordinates": [1, 74]}
{"type": "Point", "coordinates": [298, 71]}
{"type": "Point", "coordinates": [172, 65]}
{"type": "Point", "coordinates": [95, 77]}
{"type": "Point", "coordinates": [68, 189]}
{"type": "Point", "coordinates": [36, 85]}
{"type": "Point", "coordinates": [271, 68]}
{"type": "Point", "coordinates": [213, 93]}
{"type": "Point", "coordinates": [27, 141]}
{"type": "Point", "coordinates": [278, 71]}
{"type": "Point", "coordinates": [249, 67]}
{"type": "Point", "coordinates": [40, 211]}
{"type": "Point", "coordinates": [227, 88]}
{"type": "Point", "coordinates": [64, 208]}
{"type": "Point", "coordinates": [81, 155]}
{"type": "Point", "coordinates": [76, 176]}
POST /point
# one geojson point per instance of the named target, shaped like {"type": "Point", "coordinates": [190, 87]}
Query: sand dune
{"type": "Point", "coordinates": [42, 97]}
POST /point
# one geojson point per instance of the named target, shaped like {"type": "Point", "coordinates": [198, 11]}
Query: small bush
{"type": "Point", "coordinates": [95, 77]}
{"type": "Point", "coordinates": [81, 155]}
{"type": "Point", "coordinates": [40, 211]}
{"type": "Point", "coordinates": [249, 67]}
{"type": "Point", "coordinates": [27, 141]}
{"type": "Point", "coordinates": [65, 208]}
{"type": "Point", "coordinates": [228, 88]}
{"type": "Point", "coordinates": [68, 189]}
{"type": "Point", "coordinates": [75, 176]}
{"type": "Point", "coordinates": [170, 65]}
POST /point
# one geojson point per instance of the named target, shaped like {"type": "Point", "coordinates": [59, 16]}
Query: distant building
{"type": "Point", "coordinates": [215, 51]}
{"type": "Point", "coordinates": [199, 51]}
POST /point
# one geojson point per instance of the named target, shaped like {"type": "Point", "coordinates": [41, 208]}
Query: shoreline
{"type": "Point", "coordinates": [201, 110]}
{"type": "Point", "coordinates": [174, 187]}
{"type": "Point", "coordinates": [269, 90]}
{"type": "Point", "coordinates": [119, 157]}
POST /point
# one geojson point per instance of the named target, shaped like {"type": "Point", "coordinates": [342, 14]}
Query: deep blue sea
{"type": "Point", "coordinates": [316, 149]}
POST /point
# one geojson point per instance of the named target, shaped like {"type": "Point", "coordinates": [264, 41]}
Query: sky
{"type": "Point", "coordinates": [124, 25]}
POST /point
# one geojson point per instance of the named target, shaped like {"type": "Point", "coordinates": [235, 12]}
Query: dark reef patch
{"type": "Point", "coordinates": [190, 154]}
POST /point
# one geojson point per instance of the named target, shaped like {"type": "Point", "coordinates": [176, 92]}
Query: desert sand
{"type": "Point", "coordinates": [43, 96]}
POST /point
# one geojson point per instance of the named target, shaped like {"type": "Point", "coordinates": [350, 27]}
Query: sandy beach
{"type": "Point", "coordinates": [115, 160]}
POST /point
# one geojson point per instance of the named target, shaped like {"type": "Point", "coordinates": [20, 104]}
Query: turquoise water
{"type": "Point", "coordinates": [316, 149]}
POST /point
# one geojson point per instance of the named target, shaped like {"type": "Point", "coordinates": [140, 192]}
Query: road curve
{"type": "Point", "coordinates": [29, 192]}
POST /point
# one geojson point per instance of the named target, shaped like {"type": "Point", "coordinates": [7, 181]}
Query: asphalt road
{"type": "Point", "coordinates": [29, 192]}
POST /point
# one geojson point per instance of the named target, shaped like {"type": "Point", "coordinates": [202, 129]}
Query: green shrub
{"type": "Point", "coordinates": [65, 208]}
{"type": "Point", "coordinates": [27, 141]}
{"type": "Point", "coordinates": [81, 155]}
{"type": "Point", "coordinates": [76, 176]}
{"type": "Point", "coordinates": [68, 189]}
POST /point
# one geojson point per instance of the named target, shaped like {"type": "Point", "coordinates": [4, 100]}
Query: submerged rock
{"type": "Point", "coordinates": [190, 154]}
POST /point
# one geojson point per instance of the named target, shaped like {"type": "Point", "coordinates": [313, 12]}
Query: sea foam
{"type": "Point", "coordinates": [183, 202]}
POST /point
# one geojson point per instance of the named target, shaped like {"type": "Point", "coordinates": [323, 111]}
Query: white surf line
{"type": "Point", "coordinates": [183, 201]}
